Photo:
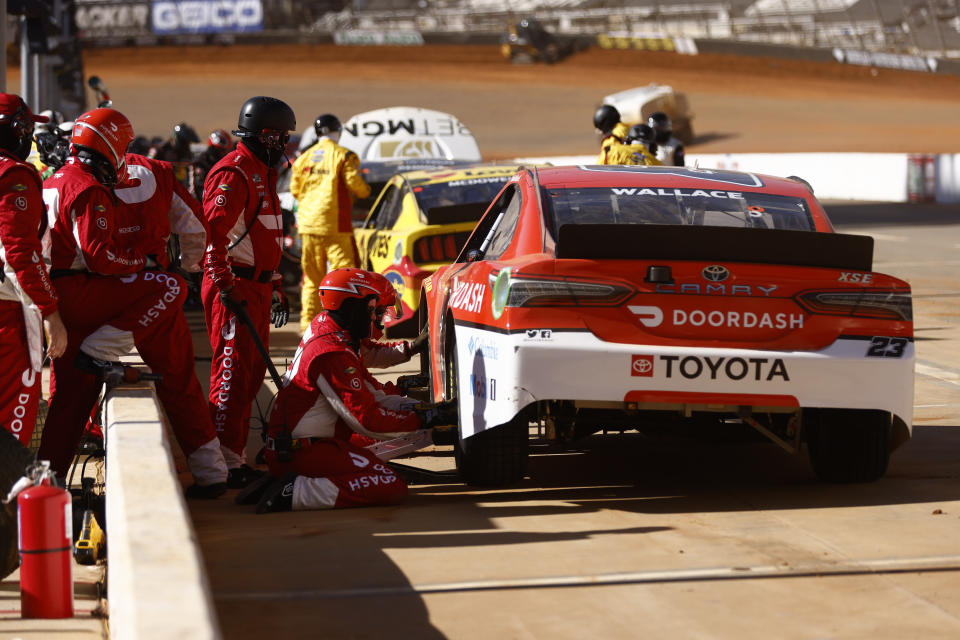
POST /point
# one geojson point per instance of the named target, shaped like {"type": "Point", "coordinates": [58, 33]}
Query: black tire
{"type": "Point", "coordinates": [848, 445]}
{"type": "Point", "coordinates": [494, 457]}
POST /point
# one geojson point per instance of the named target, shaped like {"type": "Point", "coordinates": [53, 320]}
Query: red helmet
{"type": "Point", "coordinates": [341, 284]}
{"type": "Point", "coordinates": [109, 133]}
{"type": "Point", "coordinates": [220, 139]}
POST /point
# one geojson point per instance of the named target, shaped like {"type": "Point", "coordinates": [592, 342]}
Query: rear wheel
{"type": "Point", "coordinates": [848, 445]}
{"type": "Point", "coordinates": [493, 457]}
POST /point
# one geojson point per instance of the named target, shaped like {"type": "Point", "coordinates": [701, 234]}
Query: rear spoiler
{"type": "Point", "coordinates": [720, 244]}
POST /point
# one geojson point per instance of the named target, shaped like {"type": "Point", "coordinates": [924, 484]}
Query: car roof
{"type": "Point", "coordinates": [451, 174]}
{"type": "Point", "coordinates": [669, 177]}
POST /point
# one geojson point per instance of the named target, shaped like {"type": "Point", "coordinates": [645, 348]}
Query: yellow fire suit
{"type": "Point", "coordinates": [324, 180]}
{"type": "Point", "coordinates": [614, 137]}
{"type": "Point", "coordinates": [632, 154]}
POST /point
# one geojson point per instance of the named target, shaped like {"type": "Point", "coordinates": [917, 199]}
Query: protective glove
{"type": "Point", "coordinates": [229, 299]}
{"type": "Point", "coordinates": [405, 383]}
{"type": "Point", "coordinates": [420, 343]}
{"type": "Point", "coordinates": [437, 414]}
{"type": "Point", "coordinates": [279, 309]}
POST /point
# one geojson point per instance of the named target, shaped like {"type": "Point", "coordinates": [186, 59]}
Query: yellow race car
{"type": "Point", "coordinates": [419, 222]}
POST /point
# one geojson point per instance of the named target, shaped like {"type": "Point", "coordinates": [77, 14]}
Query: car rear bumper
{"type": "Point", "coordinates": [501, 373]}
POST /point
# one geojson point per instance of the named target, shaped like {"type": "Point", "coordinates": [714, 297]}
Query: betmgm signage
{"type": "Point", "coordinates": [105, 20]}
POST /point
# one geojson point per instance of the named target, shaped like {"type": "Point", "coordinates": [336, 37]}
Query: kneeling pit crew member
{"type": "Point", "coordinates": [328, 394]}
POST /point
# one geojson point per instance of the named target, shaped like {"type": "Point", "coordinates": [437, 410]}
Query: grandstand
{"type": "Point", "coordinates": [917, 27]}
{"type": "Point", "coordinates": [921, 27]}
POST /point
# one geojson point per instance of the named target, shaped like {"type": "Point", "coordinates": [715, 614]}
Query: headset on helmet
{"type": "Point", "coordinates": [107, 133]}
{"type": "Point", "coordinates": [342, 284]}
{"type": "Point", "coordinates": [606, 118]}
{"type": "Point", "coordinates": [326, 124]}
{"type": "Point", "coordinates": [639, 133]}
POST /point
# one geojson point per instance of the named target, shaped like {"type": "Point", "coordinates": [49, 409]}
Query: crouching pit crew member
{"type": "Point", "coordinates": [328, 395]}
{"type": "Point", "coordinates": [243, 211]}
{"type": "Point", "coordinates": [27, 298]}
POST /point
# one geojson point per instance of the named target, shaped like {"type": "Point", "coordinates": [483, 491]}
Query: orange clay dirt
{"type": "Point", "coordinates": [741, 104]}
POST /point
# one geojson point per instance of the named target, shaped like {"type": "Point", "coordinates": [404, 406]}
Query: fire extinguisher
{"type": "Point", "coordinates": [45, 525]}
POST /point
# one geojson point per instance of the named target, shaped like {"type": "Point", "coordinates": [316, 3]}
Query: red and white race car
{"type": "Point", "coordinates": [599, 298]}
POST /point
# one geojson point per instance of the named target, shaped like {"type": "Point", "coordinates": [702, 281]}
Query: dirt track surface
{"type": "Point", "coordinates": [741, 104]}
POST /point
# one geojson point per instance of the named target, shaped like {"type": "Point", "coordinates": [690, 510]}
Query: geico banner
{"type": "Point", "coordinates": [100, 19]}
{"type": "Point", "coordinates": [206, 16]}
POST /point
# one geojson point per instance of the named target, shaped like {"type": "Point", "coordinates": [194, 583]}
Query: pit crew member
{"type": "Point", "coordinates": [328, 394]}
{"type": "Point", "coordinates": [111, 298]}
{"type": "Point", "coordinates": [606, 120]}
{"type": "Point", "coordinates": [669, 150]}
{"type": "Point", "coordinates": [28, 302]}
{"type": "Point", "coordinates": [324, 179]}
{"type": "Point", "coordinates": [243, 212]}
{"type": "Point", "coordinates": [156, 205]}
{"type": "Point", "coordinates": [635, 150]}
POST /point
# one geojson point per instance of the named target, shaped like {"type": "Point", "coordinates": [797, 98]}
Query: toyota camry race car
{"type": "Point", "coordinates": [615, 298]}
{"type": "Point", "coordinates": [419, 222]}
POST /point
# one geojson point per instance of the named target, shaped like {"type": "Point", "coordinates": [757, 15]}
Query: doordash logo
{"type": "Point", "coordinates": [648, 316]}
{"type": "Point", "coordinates": [642, 366]}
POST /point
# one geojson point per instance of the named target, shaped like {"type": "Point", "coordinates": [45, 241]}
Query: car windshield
{"type": "Point", "coordinates": [474, 191]}
{"type": "Point", "coordinates": [653, 205]}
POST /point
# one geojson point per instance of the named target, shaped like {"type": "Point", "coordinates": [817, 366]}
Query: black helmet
{"type": "Point", "coordinates": [326, 124]}
{"type": "Point", "coordinates": [260, 113]}
{"type": "Point", "coordinates": [639, 133]}
{"type": "Point", "coordinates": [606, 118]}
{"type": "Point", "coordinates": [184, 133]}
{"type": "Point", "coordinates": [662, 128]}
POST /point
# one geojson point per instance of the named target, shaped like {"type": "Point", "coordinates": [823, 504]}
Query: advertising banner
{"type": "Point", "coordinates": [96, 20]}
{"type": "Point", "coordinates": [206, 16]}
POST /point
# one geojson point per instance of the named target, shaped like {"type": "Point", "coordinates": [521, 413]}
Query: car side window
{"type": "Point", "coordinates": [482, 231]}
{"type": "Point", "coordinates": [503, 229]}
{"type": "Point", "coordinates": [395, 207]}
{"type": "Point", "coordinates": [387, 210]}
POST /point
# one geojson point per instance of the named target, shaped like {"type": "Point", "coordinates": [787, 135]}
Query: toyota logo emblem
{"type": "Point", "coordinates": [642, 366]}
{"type": "Point", "coordinates": [715, 273]}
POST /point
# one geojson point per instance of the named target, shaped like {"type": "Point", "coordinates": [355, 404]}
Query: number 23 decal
{"type": "Point", "coordinates": [886, 347]}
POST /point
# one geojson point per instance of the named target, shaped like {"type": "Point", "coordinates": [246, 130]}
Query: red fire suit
{"type": "Point", "coordinates": [166, 207]}
{"type": "Point", "coordinates": [156, 204]}
{"type": "Point", "coordinates": [243, 211]}
{"type": "Point", "coordinates": [26, 294]}
{"type": "Point", "coordinates": [328, 394]}
{"type": "Point", "coordinates": [108, 302]}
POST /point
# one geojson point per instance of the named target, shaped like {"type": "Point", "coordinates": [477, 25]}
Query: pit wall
{"type": "Point", "coordinates": [874, 177]}
{"type": "Point", "coordinates": [156, 580]}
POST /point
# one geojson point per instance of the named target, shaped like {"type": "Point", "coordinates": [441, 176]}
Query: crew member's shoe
{"type": "Point", "coordinates": [206, 491]}
{"type": "Point", "coordinates": [240, 477]}
{"type": "Point", "coordinates": [252, 492]}
{"type": "Point", "coordinates": [278, 496]}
